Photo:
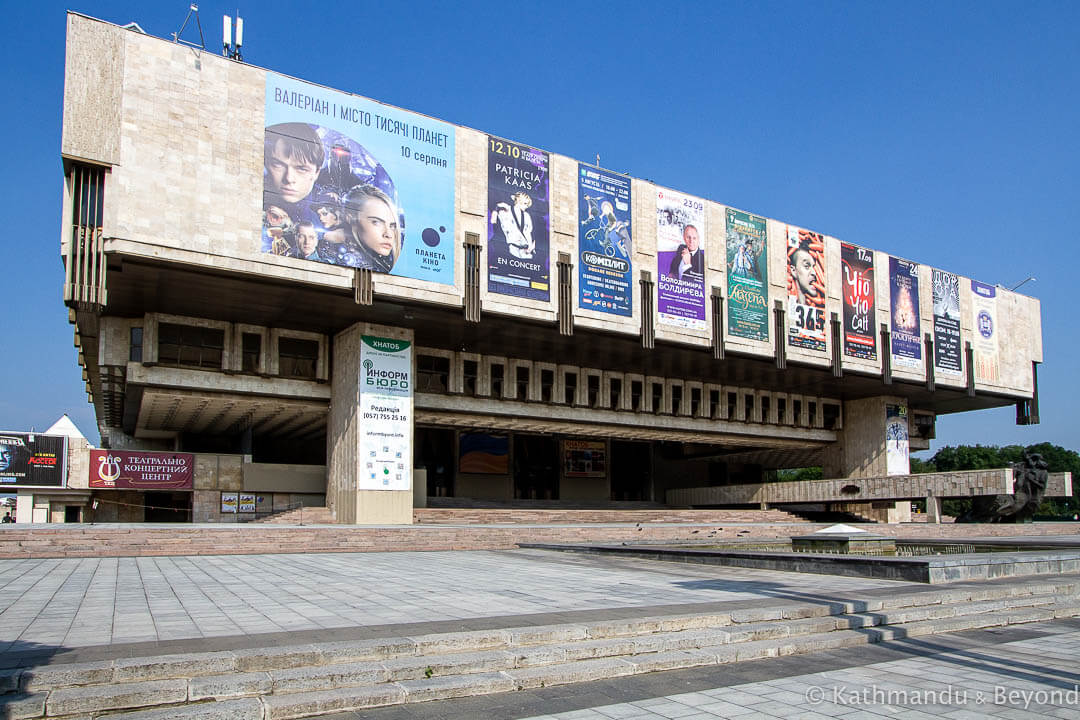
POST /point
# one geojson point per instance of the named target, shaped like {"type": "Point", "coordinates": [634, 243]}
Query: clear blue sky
{"type": "Point", "coordinates": [944, 132]}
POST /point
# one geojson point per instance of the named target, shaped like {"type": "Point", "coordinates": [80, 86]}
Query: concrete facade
{"type": "Point", "coordinates": [179, 136]}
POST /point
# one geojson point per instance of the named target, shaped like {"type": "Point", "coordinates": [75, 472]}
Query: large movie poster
{"type": "Point", "coordinates": [32, 460]}
{"type": "Point", "coordinates": [386, 393]}
{"type": "Point", "coordinates": [857, 275]}
{"type": "Point", "coordinates": [946, 322]}
{"type": "Point", "coordinates": [518, 220]}
{"type": "Point", "coordinates": [897, 449]}
{"type": "Point", "coordinates": [605, 276]}
{"type": "Point", "coordinates": [906, 335]}
{"type": "Point", "coordinates": [747, 276]}
{"type": "Point", "coordinates": [349, 181]}
{"type": "Point", "coordinates": [125, 470]}
{"type": "Point", "coordinates": [806, 289]}
{"type": "Point", "coordinates": [984, 321]}
{"type": "Point", "coordinates": [680, 259]}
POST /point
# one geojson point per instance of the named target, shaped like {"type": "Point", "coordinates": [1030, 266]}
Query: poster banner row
{"type": "Point", "coordinates": [32, 460]}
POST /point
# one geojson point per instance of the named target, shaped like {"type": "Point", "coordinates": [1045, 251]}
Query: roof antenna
{"type": "Point", "coordinates": [229, 49]}
{"type": "Point", "coordinates": [193, 9]}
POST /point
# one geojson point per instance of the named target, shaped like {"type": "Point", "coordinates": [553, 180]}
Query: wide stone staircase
{"type": "Point", "coordinates": [312, 679]}
{"type": "Point", "coordinates": [549, 516]}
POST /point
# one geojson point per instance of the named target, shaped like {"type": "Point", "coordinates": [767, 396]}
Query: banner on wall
{"type": "Point", "coordinates": [32, 460]}
{"type": "Point", "coordinates": [680, 260]}
{"type": "Point", "coordinates": [896, 440]}
{"type": "Point", "coordinates": [518, 220]}
{"type": "Point", "coordinates": [229, 502]}
{"type": "Point", "coordinates": [605, 275]}
{"type": "Point", "coordinates": [585, 458]}
{"type": "Point", "coordinates": [126, 470]}
{"type": "Point", "coordinates": [857, 276]}
{"type": "Point", "coordinates": [386, 392]}
{"type": "Point", "coordinates": [906, 333]}
{"type": "Point", "coordinates": [349, 181]}
{"type": "Point", "coordinates": [985, 337]}
{"type": "Point", "coordinates": [806, 289]}
{"type": "Point", "coordinates": [484, 454]}
{"type": "Point", "coordinates": [747, 276]}
{"type": "Point", "coordinates": [946, 323]}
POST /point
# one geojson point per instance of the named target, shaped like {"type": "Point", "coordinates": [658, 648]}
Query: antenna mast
{"type": "Point", "coordinates": [193, 9]}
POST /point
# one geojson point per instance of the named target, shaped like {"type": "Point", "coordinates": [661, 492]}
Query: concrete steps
{"type": "Point", "coordinates": [307, 680]}
{"type": "Point", "coordinates": [546, 516]}
{"type": "Point", "coordinates": [299, 516]}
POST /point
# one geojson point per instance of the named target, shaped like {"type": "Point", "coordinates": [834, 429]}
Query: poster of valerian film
{"type": "Point", "coordinates": [946, 322]}
{"type": "Point", "coordinates": [605, 276]}
{"type": "Point", "coordinates": [857, 275]}
{"type": "Point", "coordinates": [32, 460]}
{"type": "Point", "coordinates": [518, 220]}
{"type": "Point", "coordinates": [897, 451]}
{"type": "Point", "coordinates": [806, 289]}
{"type": "Point", "coordinates": [386, 394]}
{"type": "Point", "coordinates": [984, 339]}
{"type": "Point", "coordinates": [747, 276]}
{"type": "Point", "coordinates": [906, 337]}
{"type": "Point", "coordinates": [680, 259]}
{"type": "Point", "coordinates": [348, 181]}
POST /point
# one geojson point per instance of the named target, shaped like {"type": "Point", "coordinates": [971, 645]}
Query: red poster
{"type": "Point", "coordinates": [127, 470]}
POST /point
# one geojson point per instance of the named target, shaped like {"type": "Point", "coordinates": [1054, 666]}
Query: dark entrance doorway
{"type": "Point", "coordinates": [168, 507]}
{"type": "Point", "coordinates": [536, 470]}
{"type": "Point", "coordinates": [435, 452]}
{"type": "Point", "coordinates": [72, 514]}
{"type": "Point", "coordinates": [631, 470]}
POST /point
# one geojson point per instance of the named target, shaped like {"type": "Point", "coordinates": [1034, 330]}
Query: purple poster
{"type": "Point", "coordinates": [680, 258]}
{"type": "Point", "coordinates": [518, 220]}
{"type": "Point", "coordinates": [904, 311]}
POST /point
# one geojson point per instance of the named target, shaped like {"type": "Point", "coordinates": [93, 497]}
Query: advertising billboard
{"type": "Point", "coordinates": [349, 181]}
{"type": "Point", "coordinates": [32, 460]}
{"type": "Point", "coordinates": [946, 322]}
{"type": "Point", "coordinates": [386, 392]}
{"type": "Point", "coordinates": [747, 275]}
{"type": "Point", "coordinates": [519, 221]}
{"type": "Point", "coordinates": [585, 458]}
{"type": "Point", "coordinates": [484, 454]}
{"type": "Point", "coordinates": [806, 289]}
{"type": "Point", "coordinates": [897, 449]}
{"type": "Point", "coordinates": [906, 334]}
{"type": "Point", "coordinates": [857, 275]}
{"type": "Point", "coordinates": [985, 337]}
{"type": "Point", "coordinates": [605, 248]}
{"type": "Point", "coordinates": [141, 470]}
{"type": "Point", "coordinates": [680, 259]}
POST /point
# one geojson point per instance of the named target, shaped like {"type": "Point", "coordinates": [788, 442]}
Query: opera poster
{"type": "Point", "coordinates": [585, 458]}
{"type": "Point", "coordinates": [680, 259]}
{"type": "Point", "coordinates": [747, 275]}
{"type": "Point", "coordinates": [857, 276]}
{"type": "Point", "coordinates": [32, 460]}
{"type": "Point", "coordinates": [946, 288]}
{"type": "Point", "coordinates": [605, 248]}
{"type": "Point", "coordinates": [348, 181]}
{"type": "Point", "coordinates": [906, 336]}
{"type": "Point", "coordinates": [518, 220]}
{"type": "Point", "coordinates": [386, 404]}
{"type": "Point", "coordinates": [127, 470]}
{"type": "Point", "coordinates": [985, 337]}
{"type": "Point", "coordinates": [484, 454]}
{"type": "Point", "coordinates": [897, 449]}
{"type": "Point", "coordinates": [806, 289]}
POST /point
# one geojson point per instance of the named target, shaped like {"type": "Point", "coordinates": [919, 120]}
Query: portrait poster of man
{"type": "Point", "coordinates": [947, 345]}
{"type": "Point", "coordinates": [680, 259]}
{"type": "Point", "coordinates": [519, 222]}
{"type": "Point", "coordinates": [806, 289]}
{"type": "Point", "coordinates": [906, 333]}
{"type": "Point", "coordinates": [984, 340]}
{"type": "Point", "coordinates": [32, 460]}
{"type": "Point", "coordinates": [747, 275]}
{"type": "Point", "coordinates": [857, 276]}
{"type": "Point", "coordinates": [348, 181]}
{"type": "Point", "coordinates": [605, 281]}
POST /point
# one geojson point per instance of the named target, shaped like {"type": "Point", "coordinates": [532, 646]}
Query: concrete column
{"type": "Point", "coordinates": [933, 509]}
{"type": "Point", "coordinates": [345, 465]}
{"type": "Point", "coordinates": [860, 447]}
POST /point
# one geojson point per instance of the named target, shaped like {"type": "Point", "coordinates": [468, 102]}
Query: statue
{"type": "Point", "coordinates": [1029, 484]}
